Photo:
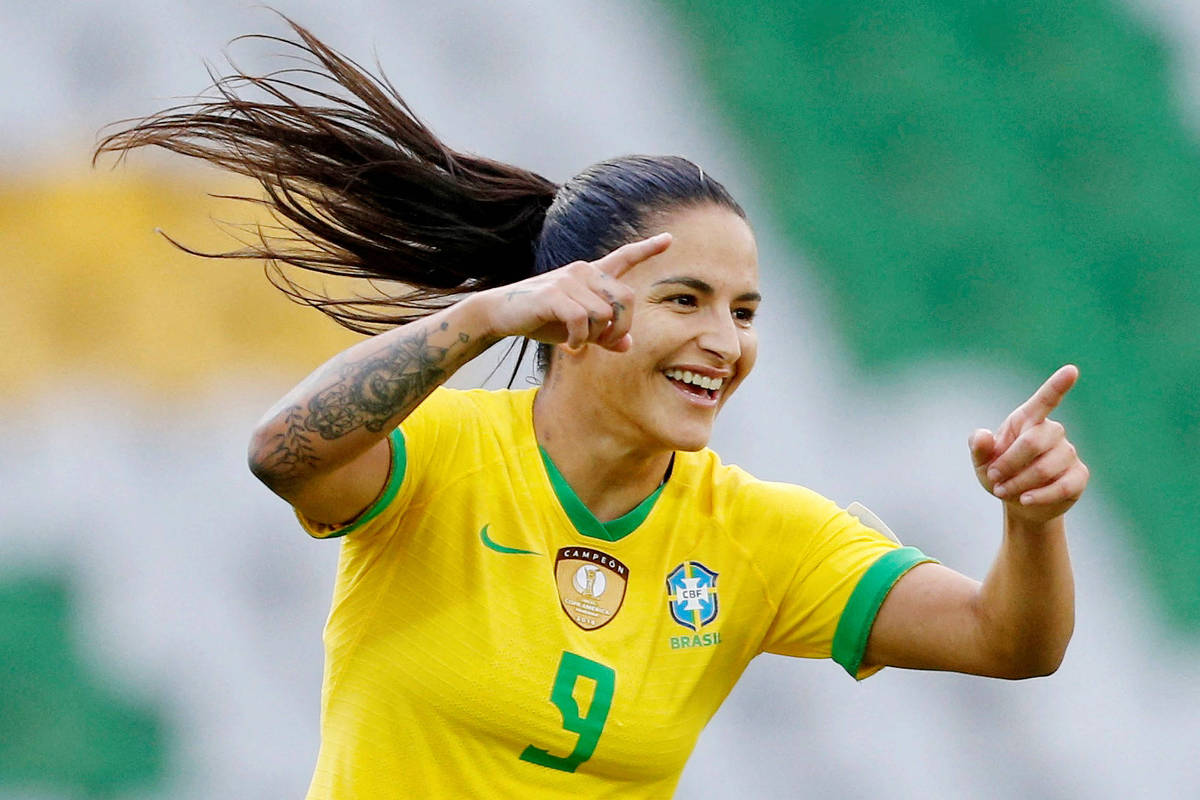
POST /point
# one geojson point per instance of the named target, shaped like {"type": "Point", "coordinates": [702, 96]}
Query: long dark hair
{"type": "Point", "coordinates": [361, 188]}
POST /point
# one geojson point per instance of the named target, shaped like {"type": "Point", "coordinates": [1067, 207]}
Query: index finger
{"type": "Point", "coordinates": [1047, 397]}
{"type": "Point", "coordinates": [627, 256]}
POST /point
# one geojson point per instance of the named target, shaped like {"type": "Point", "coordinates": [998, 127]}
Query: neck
{"type": "Point", "coordinates": [608, 471]}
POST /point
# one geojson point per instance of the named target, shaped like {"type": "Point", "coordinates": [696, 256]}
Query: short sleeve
{"type": "Point", "coordinates": [432, 428]}
{"type": "Point", "coordinates": [858, 615]}
{"type": "Point", "coordinates": [387, 496]}
{"type": "Point", "coordinates": [835, 573]}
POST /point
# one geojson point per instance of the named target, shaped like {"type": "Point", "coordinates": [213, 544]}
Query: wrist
{"type": "Point", "coordinates": [478, 318]}
{"type": "Point", "coordinates": [1018, 524]}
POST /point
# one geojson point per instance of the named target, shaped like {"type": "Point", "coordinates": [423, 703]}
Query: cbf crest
{"type": "Point", "coordinates": [591, 585]}
{"type": "Point", "coordinates": [692, 594]}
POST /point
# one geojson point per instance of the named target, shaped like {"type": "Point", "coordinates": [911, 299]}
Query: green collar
{"type": "Point", "coordinates": [581, 516]}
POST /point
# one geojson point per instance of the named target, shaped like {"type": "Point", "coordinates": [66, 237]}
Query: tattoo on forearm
{"type": "Point", "coordinates": [293, 453]}
{"type": "Point", "coordinates": [368, 393]}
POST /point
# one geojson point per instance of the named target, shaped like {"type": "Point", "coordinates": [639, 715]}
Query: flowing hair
{"type": "Point", "coordinates": [359, 186]}
{"type": "Point", "coordinates": [362, 189]}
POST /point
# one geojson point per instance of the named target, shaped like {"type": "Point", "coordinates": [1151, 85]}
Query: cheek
{"type": "Point", "coordinates": [613, 371]}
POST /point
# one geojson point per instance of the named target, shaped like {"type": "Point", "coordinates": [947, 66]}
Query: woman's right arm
{"type": "Point", "coordinates": [324, 448]}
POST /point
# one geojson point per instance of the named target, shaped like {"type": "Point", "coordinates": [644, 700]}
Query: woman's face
{"type": "Point", "coordinates": [693, 323]}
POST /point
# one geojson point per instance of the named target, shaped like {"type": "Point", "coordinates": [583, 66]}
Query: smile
{"type": "Point", "coordinates": [696, 386]}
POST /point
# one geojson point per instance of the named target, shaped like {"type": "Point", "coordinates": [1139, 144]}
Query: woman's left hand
{"type": "Point", "coordinates": [1029, 463]}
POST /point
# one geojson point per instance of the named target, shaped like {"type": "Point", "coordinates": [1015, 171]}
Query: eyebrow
{"type": "Point", "coordinates": [704, 288]}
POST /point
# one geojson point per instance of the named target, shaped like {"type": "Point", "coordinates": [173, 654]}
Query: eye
{"type": "Point", "coordinates": [745, 314]}
{"type": "Point", "coordinates": [685, 300]}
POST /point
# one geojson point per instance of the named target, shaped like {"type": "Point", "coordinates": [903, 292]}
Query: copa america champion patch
{"type": "Point", "coordinates": [591, 585]}
{"type": "Point", "coordinates": [692, 595]}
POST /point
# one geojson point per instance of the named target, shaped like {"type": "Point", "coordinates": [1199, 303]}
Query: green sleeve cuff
{"type": "Point", "coordinates": [850, 638]}
{"type": "Point", "coordinates": [390, 489]}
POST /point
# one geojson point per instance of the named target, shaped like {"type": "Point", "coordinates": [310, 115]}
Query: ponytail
{"type": "Point", "coordinates": [360, 186]}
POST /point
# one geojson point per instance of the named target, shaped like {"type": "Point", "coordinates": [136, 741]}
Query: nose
{"type": "Point", "coordinates": [720, 336]}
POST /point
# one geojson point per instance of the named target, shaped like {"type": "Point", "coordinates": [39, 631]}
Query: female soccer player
{"type": "Point", "coordinates": [549, 592]}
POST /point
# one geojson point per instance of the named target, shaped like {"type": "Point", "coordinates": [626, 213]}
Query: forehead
{"type": "Point", "coordinates": [710, 243]}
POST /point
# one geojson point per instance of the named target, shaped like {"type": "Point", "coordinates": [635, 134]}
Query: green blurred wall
{"type": "Point", "coordinates": [1009, 183]}
{"type": "Point", "coordinates": [63, 732]}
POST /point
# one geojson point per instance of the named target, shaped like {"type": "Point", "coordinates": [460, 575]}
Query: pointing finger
{"type": "Point", "coordinates": [1038, 407]}
{"type": "Point", "coordinates": [1049, 395]}
{"type": "Point", "coordinates": [627, 256]}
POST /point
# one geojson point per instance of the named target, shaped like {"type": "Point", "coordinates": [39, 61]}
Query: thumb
{"type": "Point", "coordinates": [983, 447]}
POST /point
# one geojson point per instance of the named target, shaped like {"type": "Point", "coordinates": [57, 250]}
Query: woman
{"type": "Point", "coordinates": [551, 591]}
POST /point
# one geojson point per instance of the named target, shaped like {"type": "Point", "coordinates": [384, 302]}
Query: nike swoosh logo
{"type": "Point", "coordinates": [499, 548]}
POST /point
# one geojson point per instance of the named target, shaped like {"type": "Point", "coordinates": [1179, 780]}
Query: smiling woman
{"type": "Point", "coordinates": [500, 624]}
{"type": "Point", "coordinates": [693, 343]}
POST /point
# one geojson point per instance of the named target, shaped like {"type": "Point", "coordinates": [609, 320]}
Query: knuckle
{"type": "Point", "coordinates": [560, 305]}
{"type": "Point", "coordinates": [1038, 438]}
{"type": "Point", "coordinates": [1022, 454]}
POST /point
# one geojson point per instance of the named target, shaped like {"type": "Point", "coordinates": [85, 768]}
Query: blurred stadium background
{"type": "Point", "coordinates": [953, 198]}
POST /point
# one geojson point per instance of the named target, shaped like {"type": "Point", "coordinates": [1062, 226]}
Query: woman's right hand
{"type": "Point", "coordinates": [582, 302]}
{"type": "Point", "coordinates": [323, 448]}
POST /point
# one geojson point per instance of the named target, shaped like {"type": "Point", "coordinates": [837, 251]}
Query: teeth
{"type": "Point", "coordinates": [687, 376]}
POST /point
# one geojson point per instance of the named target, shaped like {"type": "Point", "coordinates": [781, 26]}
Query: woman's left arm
{"type": "Point", "coordinates": [1017, 623]}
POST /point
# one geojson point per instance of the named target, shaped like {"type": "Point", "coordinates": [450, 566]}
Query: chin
{"type": "Point", "coordinates": [689, 441]}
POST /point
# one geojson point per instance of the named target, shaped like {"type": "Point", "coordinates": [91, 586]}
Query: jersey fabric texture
{"type": "Point", "coordinates": [489, 637]}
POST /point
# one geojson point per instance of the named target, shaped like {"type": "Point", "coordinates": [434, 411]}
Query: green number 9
{"type": "Point", "coordinates": [570, 669]}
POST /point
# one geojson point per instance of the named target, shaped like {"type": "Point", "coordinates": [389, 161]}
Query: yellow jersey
{"type": "Point", "coordinates": [489, 637]}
